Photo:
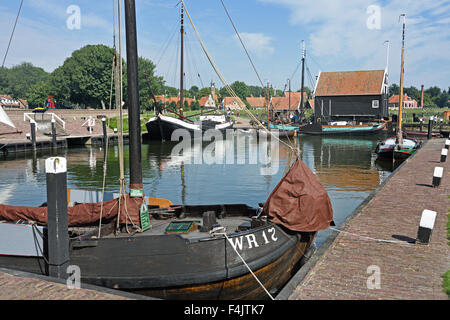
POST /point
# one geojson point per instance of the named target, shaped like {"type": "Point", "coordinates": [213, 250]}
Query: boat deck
{"type": "Point", "coordinates": [158, 227]}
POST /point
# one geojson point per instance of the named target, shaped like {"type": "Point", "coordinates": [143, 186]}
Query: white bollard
{"type": "Point", "coordinates": [58, 220]}
{"type": "Point", "coordinates": [444, 155]}
{"type": "Point", "coordinates": [447, 143]}
{"type": "Point", "coordinates": [426, 226]}
{"type": "Point", "coordinates": [437, 176]}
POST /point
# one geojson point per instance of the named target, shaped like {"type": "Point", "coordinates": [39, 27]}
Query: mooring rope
{"type": "Point", "coordinates": [369, 238]}
{"type": "Point", "coordinates": [214, 232]}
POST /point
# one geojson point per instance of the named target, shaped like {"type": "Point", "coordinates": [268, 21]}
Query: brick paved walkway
{"type": "Point", "coordinates": [20, 286]}
{"type": "Point", "coordinates": [408, 271]}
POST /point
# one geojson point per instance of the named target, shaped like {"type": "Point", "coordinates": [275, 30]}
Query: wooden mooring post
{"type": "Point", "coordinates": [33, 134]}
{"type": "Point", "coordinates": [58, 236]}
{"type": "Point", "coordinates": [430, 128]}
{"type": "Point", "coordinates": [54, 143]}
{"type": "Point", "coordinates": [105, 134]}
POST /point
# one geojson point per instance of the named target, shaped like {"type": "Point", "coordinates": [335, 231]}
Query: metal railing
{"type": "Point", "coordinates": [54, 117]}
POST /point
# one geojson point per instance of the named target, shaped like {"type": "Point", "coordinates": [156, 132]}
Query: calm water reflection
{"type": "Point", "coordinates": [346, 167]}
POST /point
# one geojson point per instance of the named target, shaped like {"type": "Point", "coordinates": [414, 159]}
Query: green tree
{"type": "Point", "coordinates": [38, 94]}
{"type": "Point", "coordinates": [170, 91]}
{"type": "Point", "coordinates": [22, 77]}
{"type": "Point", "coordinates": [186, 106]}
{"type": "Point", "coordinates": [241, 89]}
{"type": "Point", "coordinates": [146, 74]}
{"type": "Point", "coordinates": [433, 91]}
{"type": "Point", "coordinates": [256, 91]}
{"type": "Point", "coordinates": [4, 82]}
{"type": "Point", "coordinates": [428, 101]}
{"type": "Point", "coordinates": [413, 93]}
{"type": "Point", "coordinates": [17, 80]}
{"type": "Point", "coordinates": [85, 77]}
{"type": "Point", "coordinates": [194, 91]}
{"type": "Point", "coordinates": [204, 92]}
{"type": "Point", "coordinates": [442, 100]}
{"type": "Point", "coordinates": [394, 89]}
{"type": "Point", "coordinates": [195, 105]}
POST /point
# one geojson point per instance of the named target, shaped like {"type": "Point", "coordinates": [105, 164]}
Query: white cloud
{"type": "Point", "coordinates": [339, 36]}
{"type": "Point", "coordinates": [257, 43]}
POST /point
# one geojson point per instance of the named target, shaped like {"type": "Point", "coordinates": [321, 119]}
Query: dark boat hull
{"type": "Point", "coordinates": [204, 268]}
{"type": "Point", "coordinates": [273, 276]}
{"type": "Point", "coordinates": [391, 151]}
{"type": "Point", "coordinates": [162, 128]}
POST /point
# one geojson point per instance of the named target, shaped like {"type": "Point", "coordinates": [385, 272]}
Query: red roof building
{"type": "Point", "coordinates": [257, 102]}
{"type": "Point", "coordinates": [408, 102]}
{"type": "Point", "coordinates": [8, 102]}
{"type": "Point", "coordinates": [351, 95]}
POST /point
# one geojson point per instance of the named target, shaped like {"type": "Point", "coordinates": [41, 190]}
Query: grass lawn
{"type": "Point", "coordinates": [407, 114]}
{"type": "Point", "coordinates": [446, 276]}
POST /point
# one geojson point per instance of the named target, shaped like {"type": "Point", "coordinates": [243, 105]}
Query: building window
{"type": "Point", "coordinates": [375, 104]}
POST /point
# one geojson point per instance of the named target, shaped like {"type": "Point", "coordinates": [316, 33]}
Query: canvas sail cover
{"type": "Point", "coordinates": [81, 214]}
{"type": "Point", "coordinates": [299, 201]}
{"type": "Point", "coordinates": [5, 119]}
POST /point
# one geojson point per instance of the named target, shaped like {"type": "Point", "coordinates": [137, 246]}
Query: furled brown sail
{"type": "Point", "coordinates": [81, 214]}
{"type": "Point", "coordinates": [299, 201]}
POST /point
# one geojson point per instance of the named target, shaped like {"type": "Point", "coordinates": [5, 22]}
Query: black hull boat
{"type": "Point", "coordinates": [193, 265]}
{"type": "Point", "coordinates": [162, 127]}
{"type": "Point", "coordinates": [390, 149]}
{"type": "Point", "coordinates": [189, 252]}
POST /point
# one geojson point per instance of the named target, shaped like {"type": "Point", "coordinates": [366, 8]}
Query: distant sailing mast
{"type": "Point", "coordinates": [399, 139]}
{"type": "Point", "coordinates": [302, 111]}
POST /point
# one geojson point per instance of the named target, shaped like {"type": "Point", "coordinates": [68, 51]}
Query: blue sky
{"type": "Point", "coordinates": [340, 35]}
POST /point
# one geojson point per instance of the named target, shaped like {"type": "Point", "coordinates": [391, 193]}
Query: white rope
{"type": "Point", "coordinates": [214, 231]}
{"type": "Point", "coordinates": [369, 238]}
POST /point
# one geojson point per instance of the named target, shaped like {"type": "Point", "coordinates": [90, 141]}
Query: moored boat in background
{"type": "Point", "coordinates": [342, 128]}
{"type": "Point", "coordinates": [398, 147]}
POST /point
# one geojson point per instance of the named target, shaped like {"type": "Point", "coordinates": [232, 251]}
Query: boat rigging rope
{"type": "Point", "coordinates": [240, 39]}
{"type": "Point", "coordinates": [12, 34]}
{"type": "Point", "coordinates": [104, 181]}
{"type": "Point", "coordinates": [114, 63]}
{"type": "Point", "coordinates": [230, 90]}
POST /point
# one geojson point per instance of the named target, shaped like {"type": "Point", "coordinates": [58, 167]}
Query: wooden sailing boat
{"type": "Point", "coordinates": [328, 127]}
{"type": "Point", "coordinates": [398, 147]}
{"type": "Point", "coordinates": [161, 127]}
{"type": "Point", "coordinates": [293, 127]}
{"type": "Point", "coordinates": [176, 252]}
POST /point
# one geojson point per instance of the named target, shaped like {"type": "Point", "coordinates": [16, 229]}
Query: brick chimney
{"type": "Point", "coordinates": [421, 98]}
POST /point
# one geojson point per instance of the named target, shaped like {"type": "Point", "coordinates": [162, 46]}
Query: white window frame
{"type": "Point", "coordinates": [375, 104]}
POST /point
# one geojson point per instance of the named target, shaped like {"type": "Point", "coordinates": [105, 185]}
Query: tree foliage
{"type": "Point", "coordinates": [85, 79]}
{"type": "Point", "coordinates": [147, 81]}
{"type": "Point", "coordinates": [18, 80]}
{"type": "Point", "coordinates": [433, 97]}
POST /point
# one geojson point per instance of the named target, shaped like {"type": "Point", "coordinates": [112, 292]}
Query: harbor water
{"type": "Point", "coordinates": [210, 173]}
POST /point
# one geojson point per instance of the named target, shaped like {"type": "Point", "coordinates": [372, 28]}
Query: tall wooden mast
{"type": "Point", "coordinates": [400, 104]}
{"type": "Point", "coordinates": [182, 60]}
{"type": "Point", "coordinates": [133, 99]}
{"type": "Point", "coordinates": [302, 112]}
